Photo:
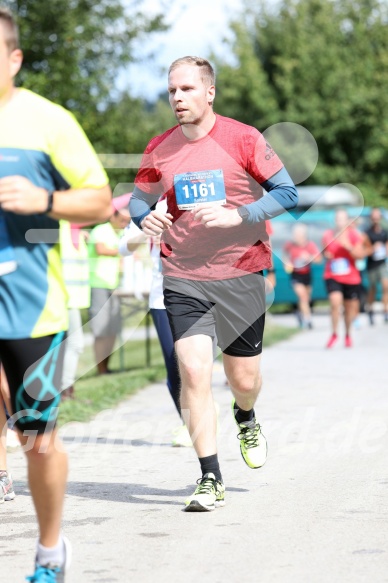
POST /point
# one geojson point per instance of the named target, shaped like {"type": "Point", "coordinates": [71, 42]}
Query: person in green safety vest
{"type": "Point", "coordinates": [104, 265]}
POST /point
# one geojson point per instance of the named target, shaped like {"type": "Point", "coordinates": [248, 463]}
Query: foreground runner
{"type": "Point", "coordinates": [43, 154]}
{"type": "Point", "coordinates": [212, 171]}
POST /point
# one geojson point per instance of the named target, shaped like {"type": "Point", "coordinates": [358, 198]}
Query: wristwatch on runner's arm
{"type": "Point", "coordinates": [50, 201]}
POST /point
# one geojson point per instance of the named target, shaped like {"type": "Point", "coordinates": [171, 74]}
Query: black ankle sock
{"type": "Point", "coordinates": [210, 464]}
{"type": "Point", "coordinates": [243, 416]}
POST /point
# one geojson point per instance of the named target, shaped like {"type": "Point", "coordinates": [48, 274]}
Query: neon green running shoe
{"type": "Point", "coordinates": [208, 495]}
{"type": "Point", "coordinates": [253, 445]}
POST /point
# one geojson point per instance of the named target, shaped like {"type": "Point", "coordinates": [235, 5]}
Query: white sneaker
{"type": "Point", "coordinates": [182, 437]}
{"type": "Point", "coordinates": [208, 495]}
{"type": "Point", "coordinates": [51, 572]}
{"type": "Point", "coordinates": [13, 442]}
{"type": "Point", "coordinates": [253, 445]}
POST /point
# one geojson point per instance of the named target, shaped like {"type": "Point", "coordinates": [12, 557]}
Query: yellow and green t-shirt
{"type": "Point", "coordinates": [44, 143]}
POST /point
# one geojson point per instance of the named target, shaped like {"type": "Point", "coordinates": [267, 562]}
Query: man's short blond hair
{"type": "Point", "coordinates": [207, 72]}
{"type": "Point", "coordinates": [10, 29]}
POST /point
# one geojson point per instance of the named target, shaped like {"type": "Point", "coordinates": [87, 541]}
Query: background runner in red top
{"type": "Point", "coordinates": [341, 264]}
{"type": "Point", "coordinates": [343, 245]}
{"type": "Point", "coordinates": [301, 256]}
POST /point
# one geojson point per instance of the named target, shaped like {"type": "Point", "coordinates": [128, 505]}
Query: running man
{"type": "Point", "coordinates": [48, 171]}
{"type": "Point", "coordinates": [376, 244]}
{"type": "Point", "coordinates": [212, 171]}
{"type": "Point", "coordinates": [342, 246]}
{"type": "Point", "coordinates": [299, 254]}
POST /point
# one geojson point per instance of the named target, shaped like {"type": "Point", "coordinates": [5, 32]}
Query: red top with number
{"type": "Point", "coordinates": [225, 167]}
{"type": "Point", "coordinates": [301, 256]}
{"type": "Point", "coordinates": [341, 266]}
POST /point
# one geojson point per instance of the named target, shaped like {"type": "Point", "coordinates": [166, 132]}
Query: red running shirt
{"type": "Point", "coordinates": [226, 166]}
{"type": "Point", "coordinates": [297, 255]}
{"type": "Point", "coordinates": [342, 266]}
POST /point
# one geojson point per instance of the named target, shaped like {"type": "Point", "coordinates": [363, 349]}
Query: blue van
{"type": "Point", "coordinates": [317, 211]}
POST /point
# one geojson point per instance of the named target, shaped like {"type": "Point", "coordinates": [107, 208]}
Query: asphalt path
{"type": "Point", "coordinates": [317, 512]}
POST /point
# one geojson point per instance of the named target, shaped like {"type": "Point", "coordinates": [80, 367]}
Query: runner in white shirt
{"type": "Point", "coordinates": [131, 239]}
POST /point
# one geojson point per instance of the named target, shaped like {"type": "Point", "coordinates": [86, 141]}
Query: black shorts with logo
{"type": "Point", "coordinates": [233, 310]}
{"type": "Point", "coordinates": [33, 367]}
{"type": "Point", "coordinates": [350, 291]}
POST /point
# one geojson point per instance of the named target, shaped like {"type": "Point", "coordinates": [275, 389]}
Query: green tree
{"type": "Point", "coordinates": [74, 51]}
{"type": "Point", "coordinates": [323, 65]}
{"type": "Point", "coordinates": [125, 127]}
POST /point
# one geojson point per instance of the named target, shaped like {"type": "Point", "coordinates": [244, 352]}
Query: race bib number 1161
{"type": "Point", "coordinates": [193, 188]}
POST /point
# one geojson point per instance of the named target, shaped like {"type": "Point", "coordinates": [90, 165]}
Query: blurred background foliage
{"type": "Point", "coordinates": [319, 63]}
{"type": "Point", "coordinates": [322, 64]}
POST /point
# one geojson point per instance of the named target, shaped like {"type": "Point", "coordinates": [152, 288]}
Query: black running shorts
{"type": "Point", "coordinates": [303, 278]}
{"type": "Point", "coordinates": [232, 310]}
{"type": "Point", "coordinates": [349, 291]}
{"type": "Point", "coordinates": [33, 367]}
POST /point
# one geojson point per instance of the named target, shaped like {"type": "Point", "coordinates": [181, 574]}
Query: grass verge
{"type": "Point", "coordinates": [274, 333]}
{"type": "Point", "coordinates": [96, 393]}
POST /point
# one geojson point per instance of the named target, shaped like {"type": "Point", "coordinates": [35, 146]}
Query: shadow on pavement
{"type": "Point", "coordinates": [131, 493]}
{"type": "Point", "coordinates": [121, 492]}
{"type": "Point", "coordinates": [90, 440]}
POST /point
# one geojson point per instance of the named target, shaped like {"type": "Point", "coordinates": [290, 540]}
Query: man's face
{"type": "Point", "coordinates": [341, 220]}
{"type": "Point", "coordinates": [10, 63]}
{"type": "Point", "coordinates": [189, 96]}
{"type": "Point", "coordinates": [375, 217]}
{"type": "Point", "coordinates": [299, 234]}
